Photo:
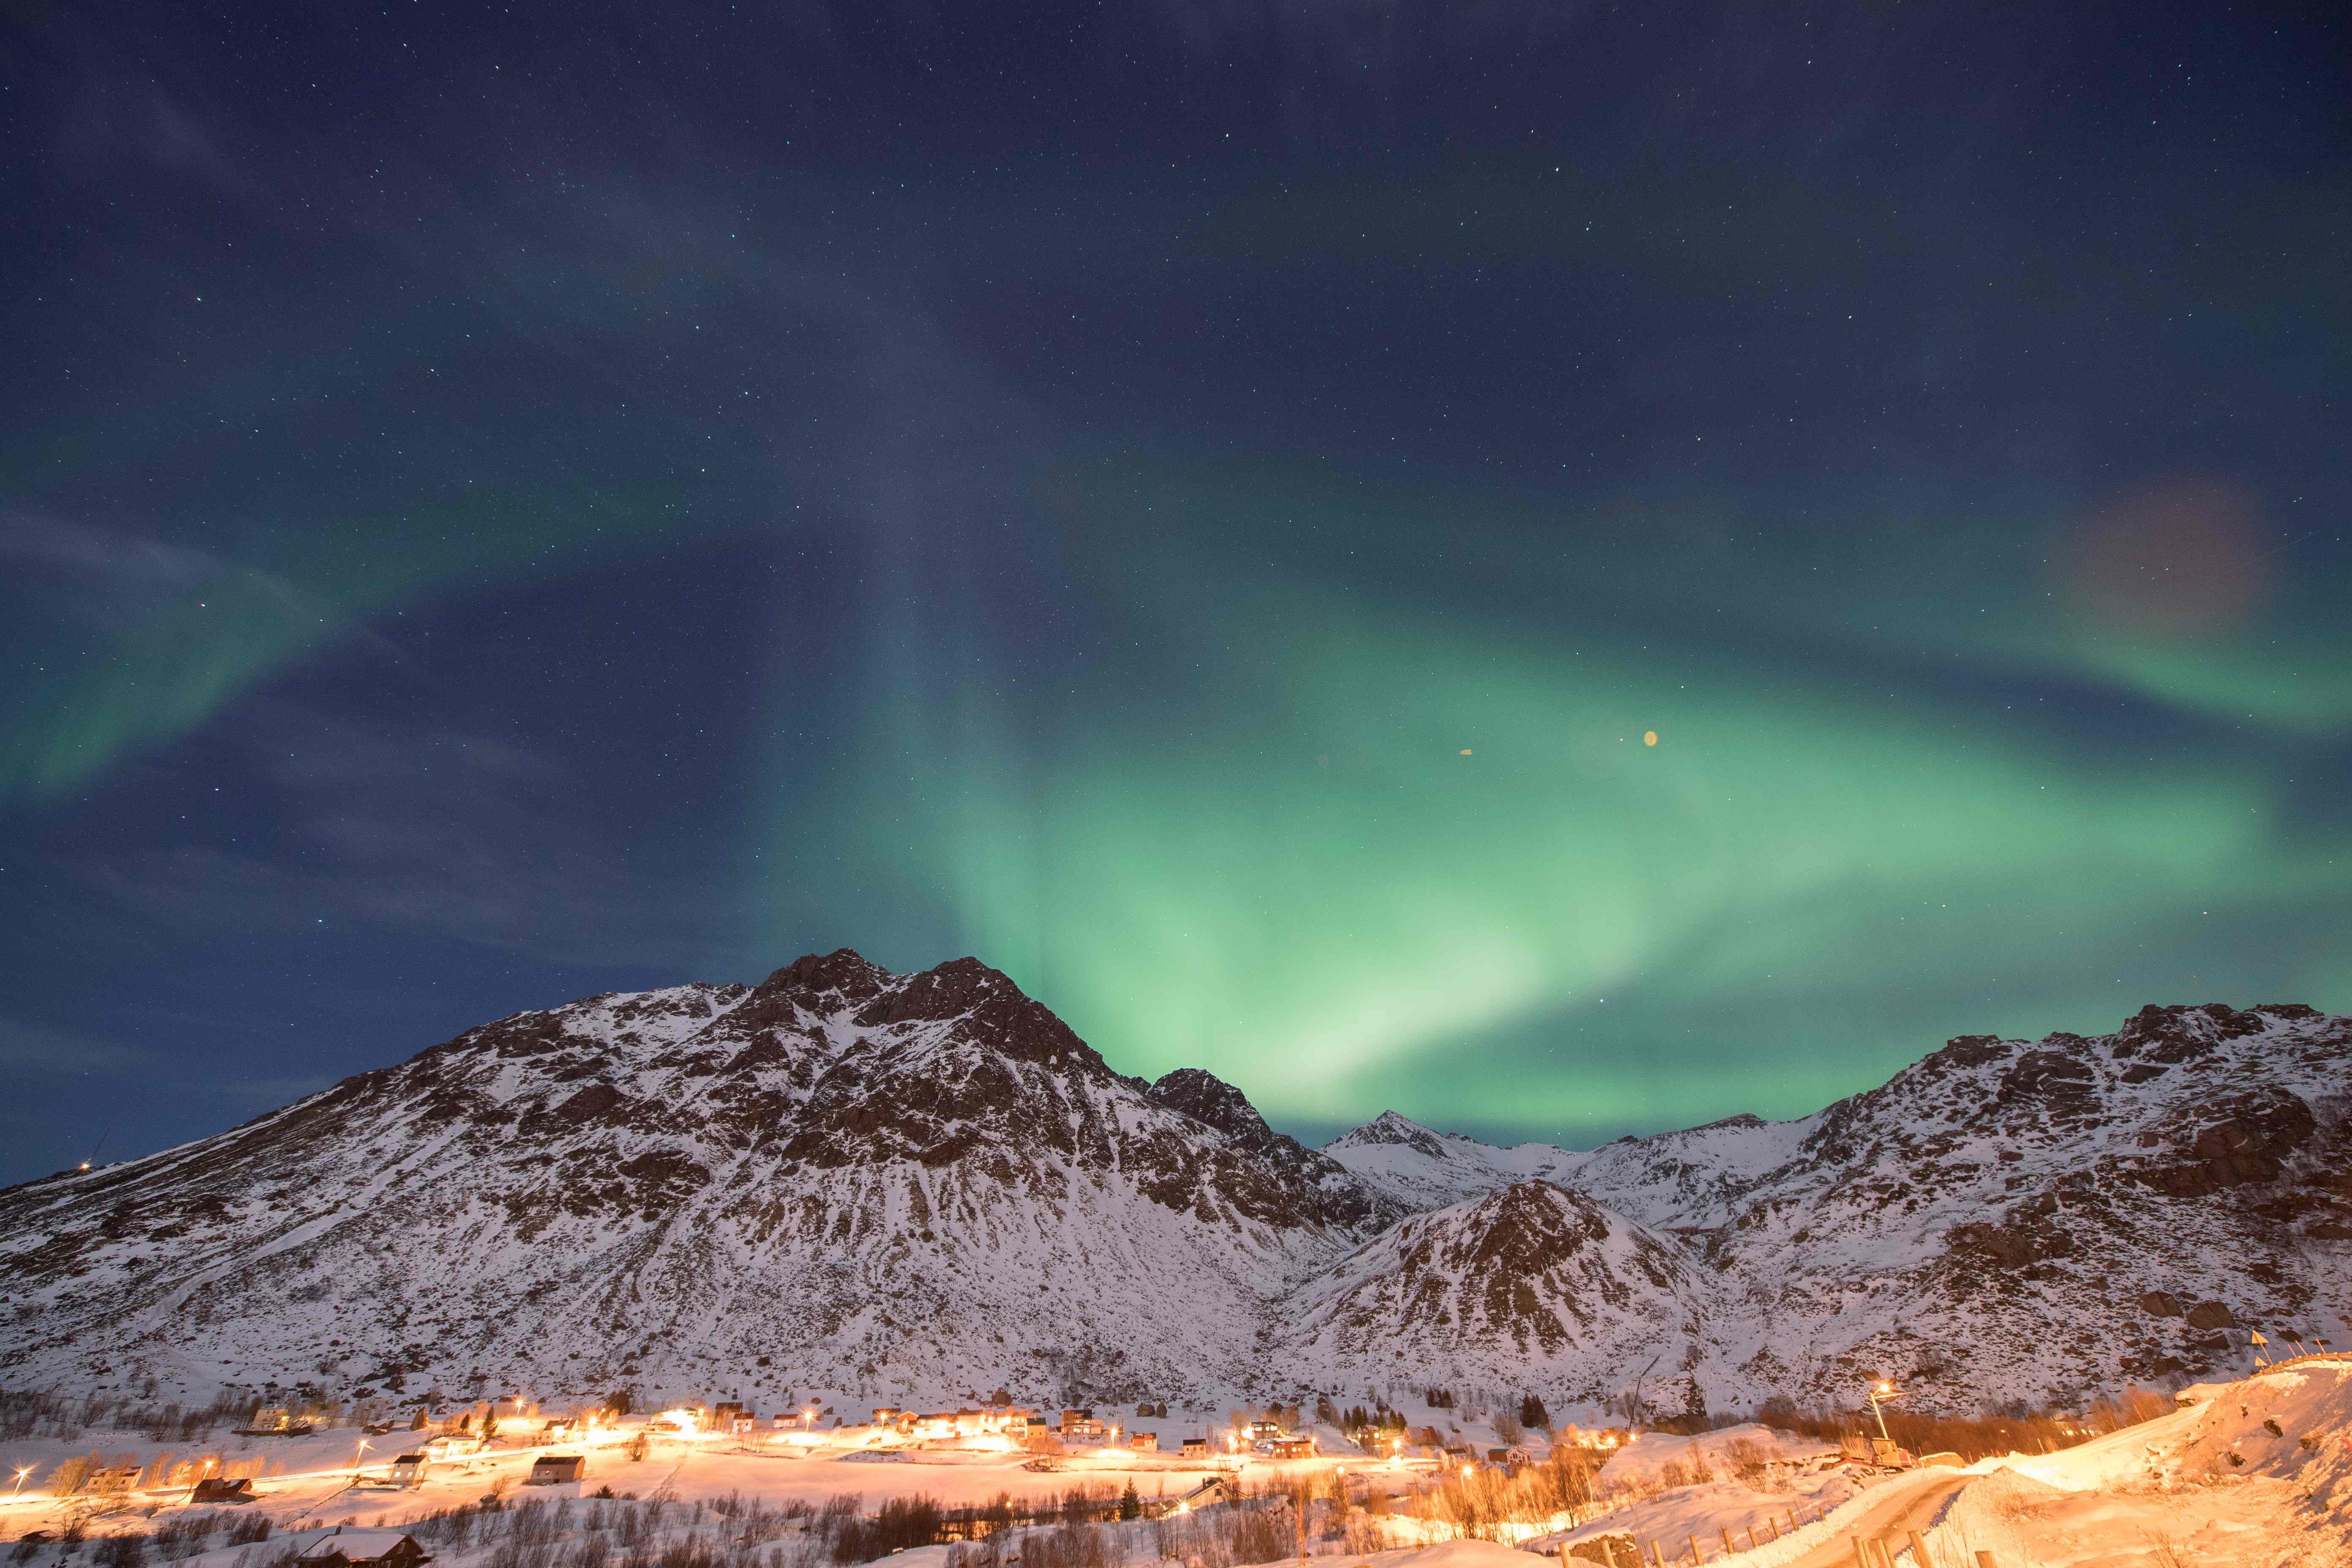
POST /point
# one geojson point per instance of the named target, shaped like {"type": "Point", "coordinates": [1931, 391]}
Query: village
{"type": "Point", "coordinates": [724, 1485]}
{"type": "Point", "coordinates": [280, 1444]}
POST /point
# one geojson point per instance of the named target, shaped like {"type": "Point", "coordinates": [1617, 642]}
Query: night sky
{"type": "Point", "coordinates": [1202, 505]}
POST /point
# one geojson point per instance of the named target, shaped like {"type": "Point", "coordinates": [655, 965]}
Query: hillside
{"type": "Point", "coordinates": [2010, 1219]}
{"type": "Point", "coordinates": [838, 1178]}
{"type": "Point", "coordinates": [1528, 1286]}
{"type": "Point", "coordinates": [851, 1183]}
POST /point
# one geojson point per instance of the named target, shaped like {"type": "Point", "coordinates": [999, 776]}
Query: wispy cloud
{"type": "Point", "coordinates": [422, 831]}
{"type": "Point", "coordinates": [37, 1047]}
{"type": "Point", "coordinates": [132, 639]}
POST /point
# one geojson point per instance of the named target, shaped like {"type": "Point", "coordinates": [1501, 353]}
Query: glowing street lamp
{"type": "Point", "coordinates": [20, 1481]}
{"type": "Point", "coordinates": [356, 1457]}
{"type": "Point", "coordinates": [1882, 1394]}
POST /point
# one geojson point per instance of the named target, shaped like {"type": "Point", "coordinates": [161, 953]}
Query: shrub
{"type": "Point", "coordinates": [901, 1522]}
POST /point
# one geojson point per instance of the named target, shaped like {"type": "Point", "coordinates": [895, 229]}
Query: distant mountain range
{"type": "Point", "coordinates": [905, 1188]}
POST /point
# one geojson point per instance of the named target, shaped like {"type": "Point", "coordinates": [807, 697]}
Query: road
{"type": "Point", "coordinates": [1907, 1502]}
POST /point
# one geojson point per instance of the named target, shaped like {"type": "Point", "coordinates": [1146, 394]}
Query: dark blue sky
{"type": "Point", "coordinates": [1200, 506]}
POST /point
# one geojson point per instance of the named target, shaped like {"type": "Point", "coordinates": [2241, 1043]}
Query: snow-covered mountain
{"type": "Point", "coordinates": [1422, 1168]}
{"type": "Point", "coordinates": [839, 1179]}
{"type": "Point", "coordinates": [847, 1181]}
{"type": "Point", "coordinates": [2009, 1219]}
{"type": "Point", "coordinates": [1528, 1286]}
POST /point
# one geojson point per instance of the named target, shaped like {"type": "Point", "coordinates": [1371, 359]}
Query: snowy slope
{"type": "Point", "coordinates": [840, 1178]}
{"type": "Point", "coordinates": [2004, 1220]}
{"type": "Point", "coordinates": [1530, 1286]}
{"type": "Point", "coordinates": [924, 1187]}
{"type": "Point", "coordinates": [2052, 1218]}
{"type": "Point", "coordinates": [1426, 1170]}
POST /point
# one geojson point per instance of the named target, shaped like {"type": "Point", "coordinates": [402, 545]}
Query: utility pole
{"type": "Point", "coordinates": [1884, 1391]}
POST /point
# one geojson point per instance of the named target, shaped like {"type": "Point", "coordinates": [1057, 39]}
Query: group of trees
{"type": "Point", "coordinates": [33, 1412]}
{"type": "Point", "coordinates": [1970, 1437]}
{"type": "Point", "coordinates": [1375, 1423]}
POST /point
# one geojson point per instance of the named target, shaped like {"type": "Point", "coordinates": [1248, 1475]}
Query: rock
{"type": "Point", "coordinates": [2232, 1141]}
{"type": "Point", "coordinates": [2063, 1084]}
{"type": "Point", "coordinates": [2176, 1033]}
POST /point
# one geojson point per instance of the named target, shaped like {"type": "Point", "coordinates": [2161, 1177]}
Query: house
{"type": "Point", "coordinates": [1144, 1442]}
{"type": "Point", "coordinates": [364, 1548]}
{"type": "Point", "coordinates": [554, 1469]}
{"type": "Point", "coordinates": [219, 1488]}
{"type": "Point", "coordinates": [273, 1421]}
{"type": "Point", "coordinates": [1212, 1491]}
{"type": "Point", "coordinates": [408, 1470]}
{"type": "Point", "coordinates": [1264, 1431]}
{"type": "Point", "coordinates": [451, 1446]}
{"type": "Point", "coordinates": [1196, 1448]}
{"type": "Point", "coordinates": [1291, 1447]}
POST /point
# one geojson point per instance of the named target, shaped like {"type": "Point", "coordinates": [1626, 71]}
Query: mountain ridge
{"type": "Point", "coordinates": [916, 1185]}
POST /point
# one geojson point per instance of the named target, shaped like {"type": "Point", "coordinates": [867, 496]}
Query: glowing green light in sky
{"type": "Point", "coordinates": [1285, 868]}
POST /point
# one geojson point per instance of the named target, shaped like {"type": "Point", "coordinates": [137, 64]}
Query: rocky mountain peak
{"type": "Point", "coordinates": [1521, 1284]}
{"type": "Point", "coordinates": [829, 981]}
{"type": "Point", "coordinates": [921, 1183]}
{"type": "Point", "coordinates": [987, 1008]}
{"type": "Point", "coordinates": [1211, 1100]}
{"type": "Point", "coordinates": [1389, 1127]}
{"type": "Point", "coordinates": [2177, 1032]}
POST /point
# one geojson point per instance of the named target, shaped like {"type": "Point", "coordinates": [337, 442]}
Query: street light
{"type": "Point", "coordinates": [20, 1479]}
{"type": "Point", "coordinates": [356, 1456]}
{"type": "Point", "coordinates": [1883, 1392]}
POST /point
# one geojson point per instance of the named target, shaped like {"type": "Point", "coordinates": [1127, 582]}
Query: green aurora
{"type": "Point", "coordinates": [1235, 610]}
{"type": "Point", "coordinates": [1371, 849]}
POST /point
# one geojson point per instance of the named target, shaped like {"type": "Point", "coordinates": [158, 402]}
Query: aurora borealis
{"type": "Point", "coordinates": [1200, 511]}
